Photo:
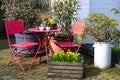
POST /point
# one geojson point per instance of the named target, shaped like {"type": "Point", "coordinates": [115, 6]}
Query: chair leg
{"type": "Point", "coordinates": [21, 66]}
{"type": "Point", "coordinates": [14, 56]}
{"type": "Point", "coordinates": [16, 59]}
{"type": "Point", "coordinates": [34, 58]}
{"type": "Point", "coordinates": [11, 59]}
{"type": "Point", "coordinates": [29, 49]}
{"type": "Point", "coordinates": [40, 58]}
{"type": "Point", "coordinates": [77, 49]}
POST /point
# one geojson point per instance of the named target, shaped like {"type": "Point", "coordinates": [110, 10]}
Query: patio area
{"type": "Point", "coordinates": [39, 72]}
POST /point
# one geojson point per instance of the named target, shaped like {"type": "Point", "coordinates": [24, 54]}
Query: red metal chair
{"type": "Point", "coordinates": [13, 27]}
{"type": "Point", "coordinates": [78, 28]}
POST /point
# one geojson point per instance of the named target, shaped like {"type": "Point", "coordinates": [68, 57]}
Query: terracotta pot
{"type": "Point", "coordinates": [54, 47]}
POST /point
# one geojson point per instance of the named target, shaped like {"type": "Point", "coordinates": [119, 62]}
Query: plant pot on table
{"type": "Point", "coordinates": [53, 26]}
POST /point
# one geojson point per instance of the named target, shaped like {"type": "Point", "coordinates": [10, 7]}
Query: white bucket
{"type": "Point", "coordinates": [102, 54]}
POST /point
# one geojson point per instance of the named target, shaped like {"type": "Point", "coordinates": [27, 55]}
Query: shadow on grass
{"type": "Point", "coordinates": [4, 44]}
{"type": "Point", "coordinates": [88, 72]}
{"type": "Point", "coordinates": [89, 69]}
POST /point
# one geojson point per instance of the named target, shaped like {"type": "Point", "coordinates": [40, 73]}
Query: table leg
{"type": "Point", "coordinates": [47, 45]}
{"type": "Point", "coordinates": [46, 48]}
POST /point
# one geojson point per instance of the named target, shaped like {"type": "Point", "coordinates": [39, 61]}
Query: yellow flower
{"type": "Point", "coordinates": [68, 56]}
{"type": "Point", "coordinates": [51, 20]}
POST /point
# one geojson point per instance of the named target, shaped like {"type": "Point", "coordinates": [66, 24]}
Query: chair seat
{"type": "Point", "coordinates": [66, 44]}
{"type": "Point", "coordinates": [24, 44]}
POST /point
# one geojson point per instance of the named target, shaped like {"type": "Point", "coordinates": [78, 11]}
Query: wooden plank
{"type": "Point", "coordinates": [65, 67]}
{"type": "Point", "coordinates": [65, 75]}
{"type": "Point", "coordinates": [65, 63]}
{"type": "Point", "coordinates": [65, 71]}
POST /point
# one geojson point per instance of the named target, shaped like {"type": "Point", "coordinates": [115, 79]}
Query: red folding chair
{"type": "Point", "coordinates": [78, 28]}
{"type": "Point", "coordinates": [13, 27]}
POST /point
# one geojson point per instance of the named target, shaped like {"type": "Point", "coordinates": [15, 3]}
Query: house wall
{"type": "Point", "coordinates": [105, 6]}
{"type": "Point", "coordinates": [99, 6]}
{"type": "Point", "coordinates": [85, 9]}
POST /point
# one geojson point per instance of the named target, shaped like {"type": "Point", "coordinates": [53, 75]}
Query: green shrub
{"type": "Point", "coordinates": [116, 51]}
{"type": "Point", "coordinates": [27, 10]}
{"type": "Point", "coordinates": [65, 11]}
{"type": "Point", "coordinates": [101, 28]}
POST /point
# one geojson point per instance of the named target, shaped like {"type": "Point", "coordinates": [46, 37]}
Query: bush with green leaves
{"type": "Point", "coordinates": [66, 11]}
{"type": "Point", "coordinates": [27, 10]}
{"type": "Point", "coordinates": [101, 28]}
{"type": "Point", "coordinates": [116, 51]}
{"type": "Point", "coordinates": [65, 57]}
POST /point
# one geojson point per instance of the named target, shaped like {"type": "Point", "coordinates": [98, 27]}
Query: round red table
{"type": "Point", "coordinates": [46, 34]}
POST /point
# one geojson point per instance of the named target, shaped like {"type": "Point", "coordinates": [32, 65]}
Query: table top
{"type": "Point", "coordinates": [38, 30]}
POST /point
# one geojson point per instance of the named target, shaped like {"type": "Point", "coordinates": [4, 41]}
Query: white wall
{"type": "Point", "coordinates": [100, 6]}
{"type": "Point", "coordinates": [85, 9]}
{"type": "Point", "coordinates": [105, 6]}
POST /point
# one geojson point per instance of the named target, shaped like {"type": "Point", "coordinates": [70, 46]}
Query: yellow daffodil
{"type": "Point", "coordinates": [66, 56]}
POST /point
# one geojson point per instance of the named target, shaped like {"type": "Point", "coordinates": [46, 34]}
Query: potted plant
{"type": "Point", "coordinates": [65, 11]}
{"type": "Point", "coordinates": [103, 30]}
{"type": "Point", "coordinates": [50, 22]}
{"type": "Point", "coordinates": [65, 65]}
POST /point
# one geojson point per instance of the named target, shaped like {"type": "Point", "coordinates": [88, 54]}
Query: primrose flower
{"type": "Point", "coordinates": [50, 21]}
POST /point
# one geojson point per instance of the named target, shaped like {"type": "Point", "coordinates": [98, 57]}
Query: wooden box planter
{"type": "Point", "coordinates": [65, 69]}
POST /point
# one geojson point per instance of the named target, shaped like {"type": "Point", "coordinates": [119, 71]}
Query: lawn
{"type": "Point", "coordinates": [39, 71]}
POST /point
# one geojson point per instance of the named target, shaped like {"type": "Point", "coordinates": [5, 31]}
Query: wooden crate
{"type": "Point", "coordinates": [65, 69]}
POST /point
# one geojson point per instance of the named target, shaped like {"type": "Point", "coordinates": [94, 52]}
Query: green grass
{"type": "Point", "coordinates": [39, 71]}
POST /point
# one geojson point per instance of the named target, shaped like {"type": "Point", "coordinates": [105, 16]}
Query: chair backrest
{"type": "Point", "coordinates": [13, 27]}
{"type": "Point", "coordinates": [78, 28]}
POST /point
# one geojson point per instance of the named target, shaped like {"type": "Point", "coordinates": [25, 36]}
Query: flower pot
{"type": "Point", "coordinates": [102, 54]}
{"type": "Point", "coordinates": [65, 69]}
{"type": "Point", "coordinates": [53, 26]}
{"type": "Point", "coordinates": [54, 47]}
